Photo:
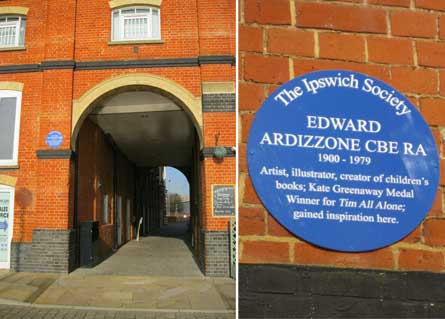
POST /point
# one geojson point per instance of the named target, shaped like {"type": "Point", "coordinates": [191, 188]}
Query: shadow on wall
{"type": "Point", "coordinates": [23, 200]}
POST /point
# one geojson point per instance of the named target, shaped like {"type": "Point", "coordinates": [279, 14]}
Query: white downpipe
{"type": "Point", "coordinates": [139, 228]}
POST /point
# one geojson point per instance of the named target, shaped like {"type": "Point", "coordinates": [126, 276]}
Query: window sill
{"type": "Point", "coordinates": [19, 48]}
{"type": "Point", "coordinates": [7, 166]}
{"type": "Point", "coordinates": [132, 42]}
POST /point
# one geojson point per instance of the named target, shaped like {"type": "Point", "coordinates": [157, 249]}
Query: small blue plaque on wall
{"type": "Point", "coordinates": [54, 139]}
{"type": "Point", "coordinates": [343, 160]}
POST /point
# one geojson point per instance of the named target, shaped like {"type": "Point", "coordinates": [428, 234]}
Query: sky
{"type": "Point", "coordinates": [176, 182]}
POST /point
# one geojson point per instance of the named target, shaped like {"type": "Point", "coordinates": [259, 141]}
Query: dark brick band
{"type": "Point", "coordinates": [155, 63]}
{"type": "Point", "coordinates": [215, 259]}
{"type": "Point", "coordinates": [117, 64]}
{"type": "Point", "coordinates": [217, 59]}
{"type": "Point", "coordinates": [50, 251]}
{"type": "Point", "coordinates": [54, 154]}
{"type": "Point", "coordinates": [54, 65]}
{"type": "Point", "coordinates": [219, 102]}
{"type": "Point", "coordinates": [19, 68]}
{"type": "Point", "coordinates": [272, 291]}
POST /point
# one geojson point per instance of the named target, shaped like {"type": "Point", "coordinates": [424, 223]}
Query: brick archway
{"type": "Point", "coordinates": [191, 104]}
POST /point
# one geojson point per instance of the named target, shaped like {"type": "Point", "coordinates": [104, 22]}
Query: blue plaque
{"type": "Point", "coordinates": [343, 160]}
{"type": "Point", "coordinates": [54, 139]}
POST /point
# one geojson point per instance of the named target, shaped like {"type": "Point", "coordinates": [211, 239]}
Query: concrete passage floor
{"type": "Point", "coordinates": [165, 253]}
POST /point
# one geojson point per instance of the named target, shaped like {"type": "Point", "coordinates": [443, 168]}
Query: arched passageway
{"type": "Point", "coordinates": [124, 141]}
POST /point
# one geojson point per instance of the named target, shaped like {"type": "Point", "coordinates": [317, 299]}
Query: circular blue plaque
{"type": "Point", "coordinates": [54, 139]}
{"type": "Point", "coordinates": [343, 160]}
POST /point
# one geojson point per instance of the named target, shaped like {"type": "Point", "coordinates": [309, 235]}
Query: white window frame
{"type": "Point", "coordinates": [17, 25]}
{"type": "Point", "coordinates": [11, 191]}
{"type": "Point", "coordinates": [126, 16]}
{"type": "Point", "coordinates": [18, 95]}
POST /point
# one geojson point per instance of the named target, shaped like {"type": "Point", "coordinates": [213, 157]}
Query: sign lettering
{"type": "Point", "coordinates": [343, 160]}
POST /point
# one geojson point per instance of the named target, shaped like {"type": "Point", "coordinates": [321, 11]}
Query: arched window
{"type": "Point", "coordinates": [12, 31]}
{"type": "Point", "coordinates": [136, 23]}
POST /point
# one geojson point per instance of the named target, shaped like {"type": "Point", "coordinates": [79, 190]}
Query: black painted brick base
{"type": "Point", "coordinates": [273, 291]}
{"type": "Point", "coordinates": [219, 102]}
{"type": "Point", "coordinates": [215, 261]}
{"type": "Point", "coordinates": [50, 251]}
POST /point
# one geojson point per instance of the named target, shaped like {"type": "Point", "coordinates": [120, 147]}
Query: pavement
{"type": "Point", "coordinates": [32, 312]}
{"type": "Point", "coordinates": [140, 293]}
{"type": "Point", "coordinates": [153, 278]}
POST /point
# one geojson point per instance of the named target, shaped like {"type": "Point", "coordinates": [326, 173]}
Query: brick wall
{"type": "Point", "coordinates": [397, 41]}
{"type": "Point", "coordinates": [98, 163]}
{"type": "Point", "coordinates": [47, 96]}
{"type": "Point", "coordinates": [73, 32]}
{"type": "Point", "coordinates": [178, 31]}
{"type": "Point", "coordinates": [35, 21]}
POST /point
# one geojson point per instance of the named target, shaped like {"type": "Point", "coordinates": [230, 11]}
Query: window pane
{"type": "Point", "coordinates": [128, 11]}
{"type": "Point", "coordinates": [8, 34]}
{"type": "Point", "coordinates": [22, 32]}
{"type": "Point", "coordinates": [155, 24]}
{"type": "Point", "coordinates": [7, 124]}
{"type": "Point", "coordinates": [127, 28]}
{"type": "Point", "coordinates": [136, 24]}
{"type": "Point", "coordinates": [11, 19]}
{"type": "Point", "coordinates": [136, 28]}
{"type": "Point", "coordinates": [116, 25]}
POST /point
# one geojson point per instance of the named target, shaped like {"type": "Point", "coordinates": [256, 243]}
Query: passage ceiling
{"type": "Point", "coordinates": [149, 128]}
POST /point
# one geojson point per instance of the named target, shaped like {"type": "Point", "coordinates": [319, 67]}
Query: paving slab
{"type": "Point", "coordinates": [24, 287]}
{"type": "Point", "coordinates": [187, 293]}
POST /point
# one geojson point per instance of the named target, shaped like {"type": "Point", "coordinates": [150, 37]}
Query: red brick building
{"type": "Point", "coordinates": [397, 41]}
{"type": "Point", "coordinates": [126, 87]}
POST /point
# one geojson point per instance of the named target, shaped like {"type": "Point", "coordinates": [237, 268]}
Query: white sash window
{"type": "Point", "coordinates": [10, 102]}
{"type": "Point", "coordinates": [136, 23]}
{"type": "Point", "coordinates": [12, 31]}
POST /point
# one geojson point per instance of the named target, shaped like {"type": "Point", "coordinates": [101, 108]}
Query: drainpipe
{"type": "Point", "coordinates": [115, 197]}
{"type": "Point", "coordinates": [75, 205]}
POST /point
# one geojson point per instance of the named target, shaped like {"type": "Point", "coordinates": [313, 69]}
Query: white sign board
{"type": "Point", "coordinates": [6, 224]}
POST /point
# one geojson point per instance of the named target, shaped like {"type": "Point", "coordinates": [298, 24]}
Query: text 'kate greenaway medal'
{"type": "Point", "coordinates": [343, 160]}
